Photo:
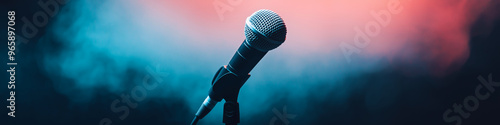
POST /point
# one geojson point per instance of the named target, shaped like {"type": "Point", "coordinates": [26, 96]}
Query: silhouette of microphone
{"type": "Point", "coordinates": [264, 31]}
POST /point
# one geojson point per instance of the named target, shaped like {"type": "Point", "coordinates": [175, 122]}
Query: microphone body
{"type": "Point", "coordinates": [245, 59]}
{"type": "Point", "coordinates": [264, 31]}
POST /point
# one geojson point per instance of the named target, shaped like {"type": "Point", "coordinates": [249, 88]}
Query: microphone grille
{"type": "Point", "coordinates": [265, 30]}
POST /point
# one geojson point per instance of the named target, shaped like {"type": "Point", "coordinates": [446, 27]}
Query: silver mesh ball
{"type": "Point", "coordinates": [265, 30]}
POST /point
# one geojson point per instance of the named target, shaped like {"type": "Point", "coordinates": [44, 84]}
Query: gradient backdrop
{"type": "Point", "coordinates": [413, 64]}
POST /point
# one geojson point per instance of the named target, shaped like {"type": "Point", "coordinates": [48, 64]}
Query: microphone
{"type": "Point", "coordinates": [264, 31]}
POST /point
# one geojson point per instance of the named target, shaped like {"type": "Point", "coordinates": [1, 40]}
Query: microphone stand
{"type": "Point", "coordinates": [226, 85]}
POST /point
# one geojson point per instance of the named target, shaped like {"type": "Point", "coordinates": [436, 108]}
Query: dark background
{"type": "Point", "coordinates": [421, 99]}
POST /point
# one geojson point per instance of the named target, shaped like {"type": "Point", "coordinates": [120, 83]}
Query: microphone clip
{"type": "Point", "coordinates": [226, 85]}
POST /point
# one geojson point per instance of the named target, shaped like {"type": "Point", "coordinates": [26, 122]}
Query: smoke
{"type": "Point", "coordinates": [434, 34]}
{"type": "Point", "coordinates": [106, 45]}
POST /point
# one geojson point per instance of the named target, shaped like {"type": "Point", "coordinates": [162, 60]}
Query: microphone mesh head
{"type": "Point", "coordinates": [265, 30]}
